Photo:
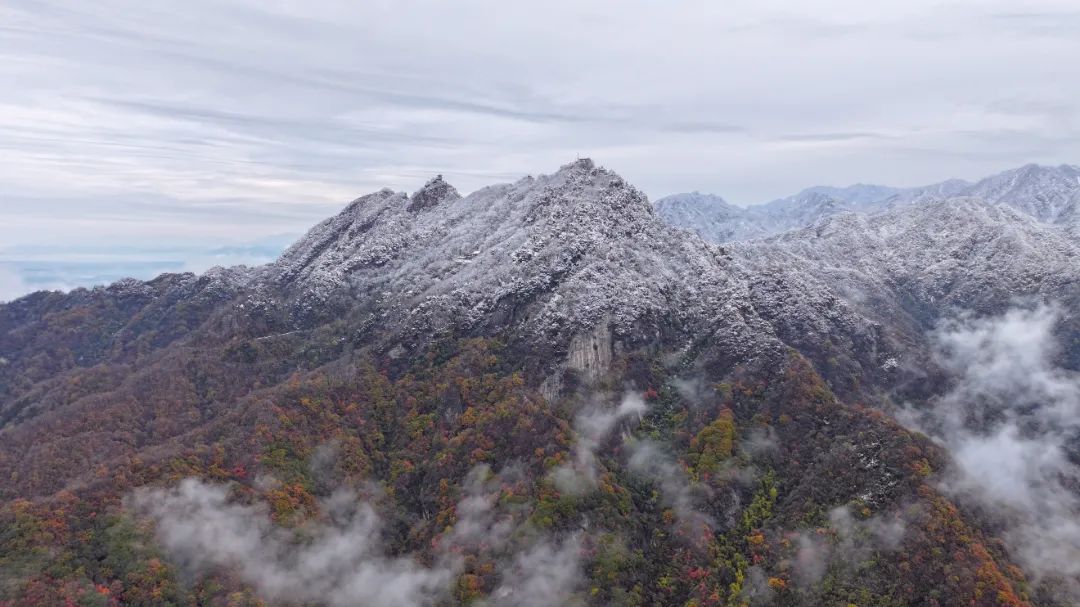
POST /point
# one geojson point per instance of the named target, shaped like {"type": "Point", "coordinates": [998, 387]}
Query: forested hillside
{"type": "Point", "coordinates": [541, 394]}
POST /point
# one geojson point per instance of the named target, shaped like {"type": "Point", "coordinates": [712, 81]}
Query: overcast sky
{"type": "Point", "coordinates": [128, 124]}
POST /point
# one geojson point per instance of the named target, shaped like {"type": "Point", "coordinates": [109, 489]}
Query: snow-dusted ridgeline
{"type": "Point", "coordinates": [1049, 194]}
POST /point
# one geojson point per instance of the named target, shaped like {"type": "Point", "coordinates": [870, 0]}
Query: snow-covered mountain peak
{"type": "Point", "coordinates": [504, 239]}
{"type": "Point", "coordinates": [434, 191]}
{"type": "Point", "coordinates": [580, 164]}
{"type": "Point", "coordinates": [576, 261]}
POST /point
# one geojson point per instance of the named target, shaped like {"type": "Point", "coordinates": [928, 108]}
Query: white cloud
{"type": "Point", "coordinates": [14, 283]}
{"type": "Point", "coordinates": [678, 493]}
{"type": "Point", "coordinates": [546, 575]}
{"type": "Point", "coordinates": [342, 564]}
{"type": "Point", "coordinates": [1008, 421]}
{"type": "Point", "coordinates": [338, 558]}
{"type": "Point", "coordinates": [592, 426]}
{"type": "Point", "coordinates": [854, 543]}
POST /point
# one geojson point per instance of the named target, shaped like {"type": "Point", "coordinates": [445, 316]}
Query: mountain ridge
{"type": "Point", "coordinates": [1051, 194]}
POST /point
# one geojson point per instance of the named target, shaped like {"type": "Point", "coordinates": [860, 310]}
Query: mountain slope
{"type": "Point", "coordinates": [456, 400]}
{"type": "Point", "coordinates": [1049, 194]}
{"type": "Point", "coordinates": [937, 191]}
{"type": "Point", "coordinates": [571, 270]}
{"type": "Point", "coordinates": [926, 259]}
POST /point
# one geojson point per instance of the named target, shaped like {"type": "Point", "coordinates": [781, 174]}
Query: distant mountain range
{"type": "Point", "coordinates": [1049, 194]}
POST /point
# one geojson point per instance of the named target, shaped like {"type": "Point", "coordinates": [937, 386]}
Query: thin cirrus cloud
{"type": "Point", "coordinates": [224, 121]}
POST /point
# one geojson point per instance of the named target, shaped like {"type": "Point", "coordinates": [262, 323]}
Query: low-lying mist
{"type": "Point", "coordinates": [1007, 421]}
